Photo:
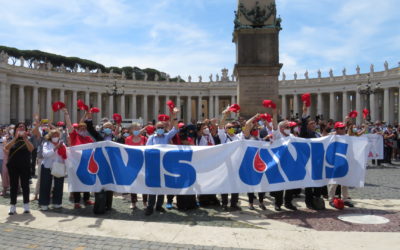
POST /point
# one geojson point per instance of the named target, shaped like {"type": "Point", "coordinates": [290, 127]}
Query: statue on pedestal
{"type": "Point", "coordinates": [371, 68]}
{"type": "Point", "coordinates": [306, 74]}
{"type": "Point", "coordinates": [344, 71]}
{"type": "Point", "coordinates": [233, 77]}
{"type": "Point", "coordinates": [189, 79]}
{"type": "Point", "coordinates": [224, 77]}
{"type": "Point", "coordinates": [217, 77]}
{"type": "Point", "coordinates": [358, 69]}
{"type": "Point", "coordinates": [211, 78]}
{"type": "Point", "coordinates": [331, 73]}
{"type": "Point", "coordinates": [295, 75]}
{"type": "Point", "coordinates": [156, 77]}
{"type": "Point", "coordinates": [179, 78]}
{"type": "Point", "coordinates": [200, 78]}
{"type": "Point", "coordinates": [22, 60]}
{"type": "Point", "coordinates": [283, 76]}
{"type": "Point", "coordinates": [319, 73]}
{"type": "Point", "coordinates": [386, 65]}
{"type": "Point", "coordinates": [168, 78]}
{"type": "Point", "coordinates": [49, 66]}
{"type": "Point", "coordinates": [145, 77]}
{"type": "Point", "coordinates": [123, 75]}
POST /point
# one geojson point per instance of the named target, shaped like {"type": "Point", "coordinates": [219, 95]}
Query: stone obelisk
{"type": "Point", "coordinates": [257, 67]}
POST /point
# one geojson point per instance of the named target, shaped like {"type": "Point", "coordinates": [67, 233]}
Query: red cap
{"type": "Point", "coordinates": [94, 110]}
{"type": "Point", "coordinates": [365, 113]}
{"type": "Point", "coordinates": [181, 125]}
{"type": "Point", "coordinates": [150, 129]}
{"type": "Point", "coordinates": [60, 124]}
{"type": "Point", "coordinates": [267, 117]}
{"type": "Point", "coordinates": [292, 124]}
{"type": "Point", "coordinates": [353, 114]}
{"type": "Point", "coordinates": [234, 108]}
{"type": "Point", "coordinates": [117, 118]}
{"type": "Point", "coordinates": [163, 118]}
{"type": "Point", "coordinates": [339, 125]}
{"type": "Point", "coordinates": [269, 104]}
{"type": "Point", "coordinates": [75, 125]}
{"type": "Point", "coordinates": [306, 97]}
{"type": "Point", "coordinates": [81, 105]}
{"type": "Point", "coordinates": [171, 105]}
{"type": "Point", "coordinates": [57, 106]}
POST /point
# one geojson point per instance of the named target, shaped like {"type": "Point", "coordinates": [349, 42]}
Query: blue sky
{"type": "Point", "coordinates": [194, 37]}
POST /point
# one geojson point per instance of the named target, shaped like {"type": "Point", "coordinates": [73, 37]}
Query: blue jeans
{"type": "Point", "coordinates": [46, 180]}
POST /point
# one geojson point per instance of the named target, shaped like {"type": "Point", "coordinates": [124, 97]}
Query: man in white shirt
{"type": "Point", "coordinates": [227, 134]}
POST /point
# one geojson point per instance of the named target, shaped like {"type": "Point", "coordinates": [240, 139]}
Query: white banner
{"type": "Point", "coordinates": [375, 143]}
{"type": "Point", "coordinates": [235, 167]}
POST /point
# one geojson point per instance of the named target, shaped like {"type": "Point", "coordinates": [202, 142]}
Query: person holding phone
{"type": "Point", "coordinates": [54, 151]}
{"type": "Point", "coordinates": [19, 162]}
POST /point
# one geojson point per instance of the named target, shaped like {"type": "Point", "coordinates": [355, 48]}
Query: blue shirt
{"type": "Point", "coordinates": [162, 139]}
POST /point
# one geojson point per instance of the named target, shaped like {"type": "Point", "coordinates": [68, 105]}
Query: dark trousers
{"type": "Point", "coordinates": [252, 196]}
{"type": "Point", "coordinates": [310, 193]}
{"type": "Point", "coordinates": [234, 199]}
{"type": "Point", "coordinates": [33, 162]}
{"type": "Point", "coordinates": [152, 201]}
{"type": "Point", "coordinates": [20, 174]}
{"type": "Point", "coordinates": [170, 198]}
{"type": "Point", "coordinates": [77, 197]}
{"type": "Point", "coordinates": [134, 198]}
{"type": "Point", "coordinates": [387, 154]}
{"type": "Point", "coordinates": [46, 180]}
{"type": "Point", "coordinates": [278, 195]}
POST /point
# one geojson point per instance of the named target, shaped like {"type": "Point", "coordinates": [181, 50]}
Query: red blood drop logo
{"type": "Point", "coordinates": [93, 166]}
{"type": "Point", "coordinates": [259, 164]}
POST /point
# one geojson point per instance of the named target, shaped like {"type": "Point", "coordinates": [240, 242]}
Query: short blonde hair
{"type": "Point", "coordinates": [51, 133]}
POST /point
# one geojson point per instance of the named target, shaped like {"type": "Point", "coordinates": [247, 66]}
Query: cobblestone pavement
{"type": "Point", "coordinates": [17, 237]}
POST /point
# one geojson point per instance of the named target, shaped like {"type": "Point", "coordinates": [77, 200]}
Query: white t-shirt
{"type": "Point", "coordinates": [225, 138]}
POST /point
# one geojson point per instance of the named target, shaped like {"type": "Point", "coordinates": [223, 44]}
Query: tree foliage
{"type": "Point", "coordinates": [71, 62]}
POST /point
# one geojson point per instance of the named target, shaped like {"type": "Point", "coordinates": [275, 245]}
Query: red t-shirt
{"type": "Point", "coordinates": [129, 141]}
{"type": "Point", "coordinates": [77, 139]}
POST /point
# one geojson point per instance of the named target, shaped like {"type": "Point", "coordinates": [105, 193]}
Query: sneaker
{"type": "Point", "coordinates": [26, 208]}
{"type": "Point", "coordinates": [161, 210]}
{"type": "Point", "coordinates": [290, 206]}
{"type": "Point", "coordinates": [251, 207]}
{"type": "Point", "coordinates": [57, 206]}
{"type": "Point", "coordinates": [44, 208]}
{"type": "Point", "coordinates": [348, 203]}
{"type": "Point", "coordinates": [12, 210]}
{"type": "Point", "coordinates": [262, 206]}
{"type": "Point", "coordinates": [169, 206]}
{"type": "Point", "coordinates": [148, 211]}
{"type": "Point", "coordinates": [77, 206]}
{"type": "Point", "coordinates": [278, 208]}
{"type": "Point", "coordinates": [89, 203]}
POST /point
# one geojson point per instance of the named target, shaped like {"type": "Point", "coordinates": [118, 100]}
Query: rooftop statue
{"type": "Point", "coordinates": [319, 73]}
{"type": "Point", "coordinates": [306, 74]}
{"type": "Point", "coordinates": [200, 78]}
{"type": "Point", "coordinates": [331, 73]}
{"type": "Point", "coordinates": [295, 75]}
{"type": "Point", "coordinates": [358, 69]}
{"type": "Point", "coordinates": [283, 76]}
{"type": "Point", "coordinates": [189, 79]}
{"type": "Point", "coordinates": [386, 65]}
{"type": "Point", "coordinates": [344, 71]}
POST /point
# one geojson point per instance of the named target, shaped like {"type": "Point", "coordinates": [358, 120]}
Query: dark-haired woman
{"type": "Point", "coordinates": [19, 160]}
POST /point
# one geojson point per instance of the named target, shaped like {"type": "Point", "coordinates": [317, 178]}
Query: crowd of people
{"type": "Point", "coordinates": [37, 151]}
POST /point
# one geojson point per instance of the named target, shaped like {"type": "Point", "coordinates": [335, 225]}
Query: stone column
{"type": "Point", "coordinates": [110, 106]}
{"type": "Point", "coordinates": [178, 105]}
{"type": "Point", "coordinates": [199, 104]}
{"type": "Point", "coordinates": [164, 105]}
{"type": "Point", "coordinates": [284, 107]}
{"type": "Point", "coordinates": [217, 113]}
{"type": "Point", "coordinates": [211, 107]}
{"type": "Point", "coordinates": [372, 106]}
{"type": "Point", "coordinates": [62, 99]}
{"type": "Point", "coordinates": [386, 105]}
{"type": "Point", "coordinates": [189, 109]}
{"type": "Point", "coordinates": [296, 105]}
{"type": "Point", "coordinates": [87, 98]}
{"type": "Point", "coordinates": [345, 105]}
{"type": "Point", "coordinates": [145, 119]}
{"type": "Point", "coordinates": [133, 107]}
{"type": "Point", "coordinates": [21, 103]}
{"type": "Point", "coordinates": [3, 106]}
{"type": "Point", "coordinates": [332, 107]}
{"type": "Point", "coordinates": [320, 105]}
{"type": "Point", "coordinates": [358, 107]}
{"type": "Point", "coordinates": [156, 107]}
{"type": "Point", "coordinates": [99, 105]}
{"type": "Point", "coordinates": [122, 107]}
{"type": "Point", "coordinates": [48, 104]}
{"type": "Point", "coordinates": [232, 102]}
{"type": "Point", "coordinates": [73, 106]}
{"type": "Point", "coordinates": [35, 100]}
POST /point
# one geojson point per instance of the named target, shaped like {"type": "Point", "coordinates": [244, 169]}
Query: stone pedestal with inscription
{"type": "Point", "coordinates": [257, 65]}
